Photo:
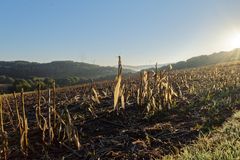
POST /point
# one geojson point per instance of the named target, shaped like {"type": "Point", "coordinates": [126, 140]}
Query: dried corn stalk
{"type": "Point", "coordinates": [10, 111]}
{"type": "Point", "coordinates": [24, 128]}
{"type": "Point", "coordinates": [4, 145]}
{"type": "Point", "coordinates": [70, 132]}
{"type": "Point", "coordinates": [17, 110]}
{"type": "Point", "coordinates": [54, 106]}
{"type": "Point", "coordinates": [38, 113]}
{"type": "Point", "coordinates": [122, 97]}
{"type": "Point", "coordinates": [50, 128]}
{"type": "Point", "coordinates": [95, 96]}
{"type": "Point", "coordinates": [117, 89]}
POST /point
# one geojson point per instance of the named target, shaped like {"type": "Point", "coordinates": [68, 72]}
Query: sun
{"type": "Point", "coordinates": [235, 41]}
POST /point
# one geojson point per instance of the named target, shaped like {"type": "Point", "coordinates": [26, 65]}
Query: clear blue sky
{"type": "Point", "coordinates": [97, 31]}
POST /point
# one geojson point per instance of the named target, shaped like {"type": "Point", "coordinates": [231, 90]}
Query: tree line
{"type": "Point", "coordinates": [31, 84]}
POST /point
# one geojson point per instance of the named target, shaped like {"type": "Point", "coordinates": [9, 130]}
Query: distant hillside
{"type": "Point", "coordinates": [23, 74]}
{"type": "Point", "coordinates": [215, 58]}
{"type": "Point", "coordinates": [141, 67]}
{"type": "Point", "coordinates": [56, 70]}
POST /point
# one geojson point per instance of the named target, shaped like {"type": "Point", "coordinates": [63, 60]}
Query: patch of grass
{"type": "Point", "coordinates": [223, 143]}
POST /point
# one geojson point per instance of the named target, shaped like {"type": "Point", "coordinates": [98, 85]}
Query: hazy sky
{"type": "Point", "coordinates": [97, 31]}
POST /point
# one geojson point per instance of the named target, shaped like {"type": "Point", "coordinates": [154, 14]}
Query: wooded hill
{"type": "Point", "coordinates": [203, 60]}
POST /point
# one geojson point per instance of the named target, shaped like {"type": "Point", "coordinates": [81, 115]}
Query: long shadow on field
{"type": "Point", "coordinates": [133, 134]}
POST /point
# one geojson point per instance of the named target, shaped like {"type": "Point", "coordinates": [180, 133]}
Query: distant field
{"type": "Point", "coordinates": [5, 85]}
{"type": "Point", "coordinates": [150, 116]}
